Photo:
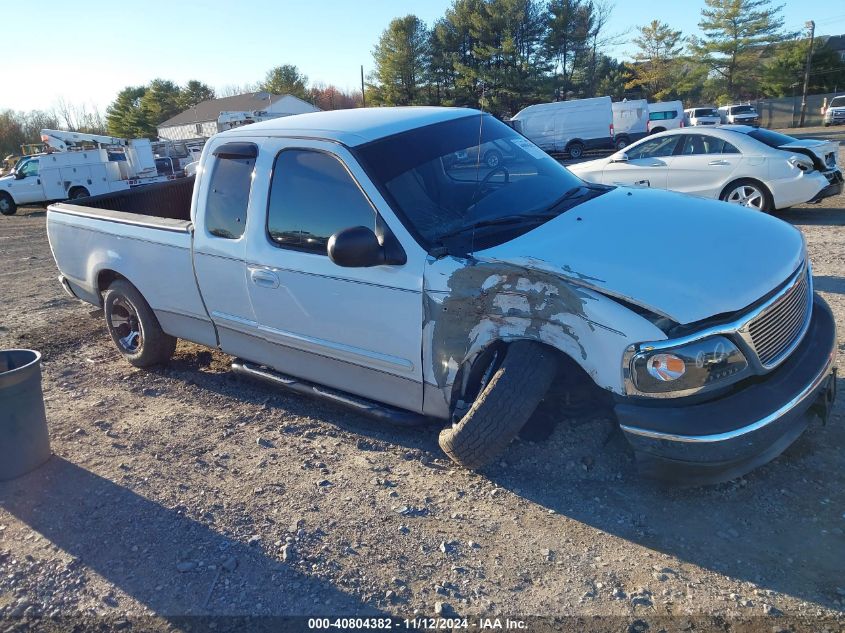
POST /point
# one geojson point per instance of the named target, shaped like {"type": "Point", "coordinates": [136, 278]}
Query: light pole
{"type": "Point", "coordinates": [812, 26]}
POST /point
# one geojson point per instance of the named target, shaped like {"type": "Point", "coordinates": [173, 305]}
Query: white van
{"type": "Point", "coordinates": [630, 121]}
{"type": "Point", "coordinates": [702, 116]}
{"type": "Point", "coordinates": [568, 126]}
{"type": "Point", "coordinates": [665, 115]}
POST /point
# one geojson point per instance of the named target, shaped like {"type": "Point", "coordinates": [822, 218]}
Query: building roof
{"type": "Point", "coordinates": [834, 42]}
{"type": "Point", "coordinates": [355, 126]}
{"type": "Point", "coordinates": [211, 109]}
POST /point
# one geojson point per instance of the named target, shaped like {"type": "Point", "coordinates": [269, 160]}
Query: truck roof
{"type": "Point", "coordinates": [355, 126]}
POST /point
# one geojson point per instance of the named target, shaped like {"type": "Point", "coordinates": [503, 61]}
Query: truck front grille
{"type": "Point", "coordinates": [777, 329]}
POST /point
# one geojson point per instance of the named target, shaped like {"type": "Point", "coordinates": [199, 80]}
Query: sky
{"type": "Point", "coordinates": [84, 52]}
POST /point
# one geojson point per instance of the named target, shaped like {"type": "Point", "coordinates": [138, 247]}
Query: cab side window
{"type": "Point", "coordinates": [30, 168]}
{"type": "Point", "coordinates": [228, 190]}
{"type": "Point", "coordinates": [313, 196]}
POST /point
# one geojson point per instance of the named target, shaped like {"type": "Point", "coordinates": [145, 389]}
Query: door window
{"type": "Point", "coordinates": [653, 148]}
{"type": "Point", "coordinates": [228, 191]}
{"type": "Point", "coordinates": [699, 144]}
{"type": "Point", "coordinates": [313, 196]}
{"type": "Point", "coordinates": [29, 168]}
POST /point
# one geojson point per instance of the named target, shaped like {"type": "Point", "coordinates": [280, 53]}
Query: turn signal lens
{"type": "Point", "coordinates": [666, 367]}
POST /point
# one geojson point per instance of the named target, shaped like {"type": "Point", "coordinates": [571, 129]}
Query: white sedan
{"type": "Point", "coordinates": [750, 166]}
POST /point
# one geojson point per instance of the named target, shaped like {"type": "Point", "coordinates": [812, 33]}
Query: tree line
{"type": "Point", "coordinates": [505, 54]}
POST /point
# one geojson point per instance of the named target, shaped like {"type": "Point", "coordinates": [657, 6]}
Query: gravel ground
{"type": "Point", "coordinates": [186, 490]}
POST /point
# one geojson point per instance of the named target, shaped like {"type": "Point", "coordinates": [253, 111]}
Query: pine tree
{"type": "Point", "coordinates": [401, 58]}
{"type": "Point", "coordinates": [737, 34]}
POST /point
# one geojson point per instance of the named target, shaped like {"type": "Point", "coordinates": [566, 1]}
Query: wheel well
{"type": "Point", "coordinates": [575, 141]}
{"type": "Point", "coordinates": [77, 188]}
{"type": "Point", "coordinates": [570, 374]}
{"type": "Point", "coordinates": [104, 280]}
{"type": "Point", "coordinates": [657, 130]}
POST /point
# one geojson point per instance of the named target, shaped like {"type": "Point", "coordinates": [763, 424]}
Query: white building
{"type": "Point", "coordinates": [200, 121]}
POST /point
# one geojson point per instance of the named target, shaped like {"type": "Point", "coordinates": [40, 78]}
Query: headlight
{"type": "Point", "coordinates": [693, 367]}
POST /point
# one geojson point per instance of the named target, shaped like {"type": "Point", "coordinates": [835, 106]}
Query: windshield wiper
{"type": "Point", "coordinates": [547, 214]}
{"type": "Point", "coordinates": [505, 219]}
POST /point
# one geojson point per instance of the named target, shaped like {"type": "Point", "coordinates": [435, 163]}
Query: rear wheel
{"type": "Point", "coordinates": [493, 158]}
{"type": "Point", "coordinates": [134, 328]}
{"type": "Point", "coordinates": [621, 143]}
{"type": "Point", "coordinates": [510, 393]}
{"type": "Point", "coordinates": [575, 150]}
{"type": "Point", "coordinates": [748, 193]}
{"type": "Point", "coordinates": [7, 205]}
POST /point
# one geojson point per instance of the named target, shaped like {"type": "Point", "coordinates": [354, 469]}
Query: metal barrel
{"type": "Point", "coordinates": [24, 441]}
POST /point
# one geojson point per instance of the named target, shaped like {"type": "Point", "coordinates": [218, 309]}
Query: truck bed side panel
{"type": "Point", "coordinates": [154, 254]}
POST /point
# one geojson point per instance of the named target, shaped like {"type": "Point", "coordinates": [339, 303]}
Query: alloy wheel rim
{"type": "Point", "coordinates": [746, 196]}
{"type": "Point", "coordinates": [126, 325]}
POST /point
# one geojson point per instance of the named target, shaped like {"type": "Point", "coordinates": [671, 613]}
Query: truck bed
{"type": "Point", "coordinates": [166, 200]}
{"type": "Point", "coordinates": [143, 235]}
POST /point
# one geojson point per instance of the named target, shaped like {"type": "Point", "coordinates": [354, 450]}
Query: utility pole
{"type": "Point", "coordinates": [363, 98]}
{"type": "Point", "coordinates": [812, 26]}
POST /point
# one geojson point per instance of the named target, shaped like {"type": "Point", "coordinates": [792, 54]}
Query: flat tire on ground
{"type": "Point", "coordinates": [502, 407]}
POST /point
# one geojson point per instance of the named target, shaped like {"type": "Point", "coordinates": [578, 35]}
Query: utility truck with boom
{"type": "Point", "coordinates": [78, 165]}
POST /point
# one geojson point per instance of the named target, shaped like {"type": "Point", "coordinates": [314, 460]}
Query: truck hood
{"type": "Point", "coordinates": [825, 151]}
{"type": "Point", "coordinates": [682, 257]}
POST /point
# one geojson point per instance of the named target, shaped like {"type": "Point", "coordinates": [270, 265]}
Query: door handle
{"type": "Point", "coordinates": [718, 162]}
{"type": "Point", "coordinates": [642, 183]}
{"type": "Point", "coordinates": [264, 278]}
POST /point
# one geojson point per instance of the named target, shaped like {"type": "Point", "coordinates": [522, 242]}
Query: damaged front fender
{"type": "Point", "coordinates": [470, 304]}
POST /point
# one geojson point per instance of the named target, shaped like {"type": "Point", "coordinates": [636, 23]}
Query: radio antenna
{"type": "Point", "coordinates": [478, 156]}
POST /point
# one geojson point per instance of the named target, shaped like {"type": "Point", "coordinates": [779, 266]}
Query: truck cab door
{"type": "Point", "coordinates": [28, 189]}
{"type": "Point", "coordinates": [224, 190]}
{"type": "Point", "coordinates": [357, 329]}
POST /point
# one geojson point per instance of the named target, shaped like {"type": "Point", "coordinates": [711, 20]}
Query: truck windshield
{"type": "Point", "coordinates": [837, 102]}
{"type": "Point", "coordinates": [448, 180]}
{"type": "Point", "coordinates": [746, 109]}
{"type": "Point", "coordinates": [706, 112]}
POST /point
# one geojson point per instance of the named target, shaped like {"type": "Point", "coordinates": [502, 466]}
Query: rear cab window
{"type": "Point", "coordinates": [229, 188]}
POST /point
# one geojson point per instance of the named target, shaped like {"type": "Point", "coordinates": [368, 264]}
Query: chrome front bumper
{"type": "Point", "coordinates": [726, 437]}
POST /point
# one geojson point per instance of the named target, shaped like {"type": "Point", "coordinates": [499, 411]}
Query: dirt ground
{"type": "Point", "coordinates": [188, 491]}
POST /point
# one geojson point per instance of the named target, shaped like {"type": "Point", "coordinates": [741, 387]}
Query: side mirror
{"type": "Point", "coordinates": [356, 247]}
{"type": "Point", "coordinates": [619, 158]}
{"type": "Point", "coordinates": [19, 175]}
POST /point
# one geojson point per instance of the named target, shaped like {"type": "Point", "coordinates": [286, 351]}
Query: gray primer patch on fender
{"type": "Point", "coordinates": [494, 300]}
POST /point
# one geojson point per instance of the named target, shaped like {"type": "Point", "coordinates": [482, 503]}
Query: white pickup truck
{"type": "Point", "coordinates": [342, 254]}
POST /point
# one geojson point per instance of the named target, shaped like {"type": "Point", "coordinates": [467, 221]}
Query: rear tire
{"type": "Point", "coordinates": [622, 143]}
{"type": "Point", "coordinates": [134, 328]}
{"type": "Point", "coordinates": [493, 158]}
{"type": "Point", "coordinates": [503, 406]}
{"type": "Point", "coordinates": [748, 193]}
{"type": "Point", "coordinates": [575, 150]}
{"type": "Point", "coordinates": [7, 205]}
